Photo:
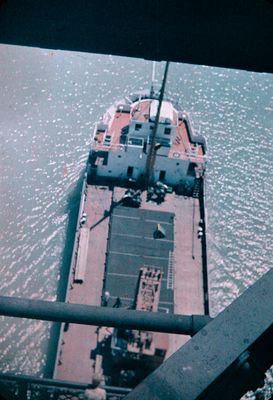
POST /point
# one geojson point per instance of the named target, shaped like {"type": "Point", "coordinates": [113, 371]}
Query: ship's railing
{"type": "Point", "coordinates": [190, 156]}
{"type": "Point", "coordinates": [24, 387]}
{"type": "Point", "coordinates": [105, 147]}
{"type": "Point", "coordinates": [193, 136]}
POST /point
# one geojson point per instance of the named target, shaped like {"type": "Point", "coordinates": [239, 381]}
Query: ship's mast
{"type": "Point", "coordinates": [151, 157]}
{"type": "Point", "coordinates": [152, 92]}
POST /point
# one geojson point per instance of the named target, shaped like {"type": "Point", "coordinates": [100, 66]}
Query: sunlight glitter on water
{"type": "Point", "coordinates": [48, 114]}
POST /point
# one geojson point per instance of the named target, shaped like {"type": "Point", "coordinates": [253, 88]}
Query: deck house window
{"type": "Point", "coordinates": [162, 175]}
{"type": "Point", "coordinates": [167, 131]}
{"type": "Point", "coordinates": [138, 127]}
{"type": "Point", "coordinates": [191, 169]}
{"type": "Point", "coordinates": [135, 141]}
{"type": "Point", "coordinates": [130, 171]}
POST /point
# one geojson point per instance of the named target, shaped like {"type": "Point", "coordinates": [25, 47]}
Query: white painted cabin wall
{"type": "Point", "coordinates": [146, 130]}
{"type": "Point", "coordinates": [176, 170]}
{"type": "Point", "coordinates": [117, 166]}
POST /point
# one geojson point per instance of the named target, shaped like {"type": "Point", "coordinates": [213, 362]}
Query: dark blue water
{"type": "Point", "coordinates": [49, 102]}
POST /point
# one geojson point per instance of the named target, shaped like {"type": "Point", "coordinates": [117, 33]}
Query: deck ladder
{"type": "Point", "coordinates": [170, 275]}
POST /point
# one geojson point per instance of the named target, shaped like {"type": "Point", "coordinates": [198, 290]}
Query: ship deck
{"type": "Point", "coordinates": [120, 241]}
{"type": "Point", "coordinates": [181, 147]}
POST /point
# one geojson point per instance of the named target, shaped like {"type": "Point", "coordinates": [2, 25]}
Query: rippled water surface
{"type": "Point", "coordinates": [49, 102]}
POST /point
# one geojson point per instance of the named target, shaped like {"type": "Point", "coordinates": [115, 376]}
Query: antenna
{"type": "Point", "coordinates": [153, 71]}
{"type": "Point", "coordinates": [153, 80]}
{"type": "Point", "coordinates": [150, 162]}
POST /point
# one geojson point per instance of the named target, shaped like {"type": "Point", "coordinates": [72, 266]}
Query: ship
{"type": "Point", "coordinates": [140, 241]}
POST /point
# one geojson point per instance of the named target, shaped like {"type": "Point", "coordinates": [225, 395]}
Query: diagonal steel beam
{"type": "Point", "coordinates": [102, 316]}
{"type": "Point", "coordinates": [225, 359]}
